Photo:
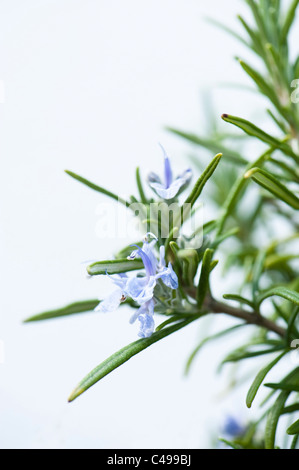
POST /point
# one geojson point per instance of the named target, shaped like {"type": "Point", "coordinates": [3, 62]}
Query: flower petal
{"type": "Point", "coordinates": [110, 303]}
{"type": "Point", "coordinates": [162, 263]}
{"type": "Point", "coordinates": [140, 311]}
{"type": "Point", "coordinates": [148, 249]}
{"type": "Point", "coordinates": [147, 325]}
{"type": "Point", "coordinates": [169, 277]}
{"type": "Point", "coordinates": [176, 187]}
{"type": "Point", "coordinates": [148, 258]}
{"type": "Point", "coordinates": [153, 178]}
{"type": "Point", "coordinates": [184, 179]}
{"type": "Point", "coordinates": [167, 172]}
{"type": "Point", "coordinates": [119, 280]}
{"type": "Point", "coordinates": [141, 289]}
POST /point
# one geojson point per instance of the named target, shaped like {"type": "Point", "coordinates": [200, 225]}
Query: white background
{"type": "Point", "coordinates": [89, 86]}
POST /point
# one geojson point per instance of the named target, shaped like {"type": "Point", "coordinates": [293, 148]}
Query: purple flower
{"type": "Point", "coordinates": [141, 289]}
{"type": "Point", "coordinates": [170, 187]}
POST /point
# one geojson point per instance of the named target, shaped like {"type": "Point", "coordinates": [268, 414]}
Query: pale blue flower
{"type": "Point", "coordinates": [233, 428]}
{"type": "Point", "coordinates": [145, 316]}
{"type": "Point", "coordinates": [167, 274]}
{"type": "Point", "coordinates": [169, 188]}
{"type": "Point", "coordinates": [141, 289]}
{"type": "Point", "coordinates": [113, 301]}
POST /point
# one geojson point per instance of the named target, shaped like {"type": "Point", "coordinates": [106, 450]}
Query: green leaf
{"type": "Point", "coordinates": [205, 341]}
{"type": "Point", "coordinates": [295, 442]}
{"type": "Point", "coordinates": [123, 355]}
{"type": "Point", "coordinates": [289, 20]}
{"type": "Point", "coordinates": [291, 324]}
{"type": "Point", "coordinates": [257, 271]}
{"type": "Point", "coordinates": [227, 30]}
{"type": "Point", "coordinates": [72, 309]}
{"type": "Point", "coordinates": [263, 86]}
{"type": "Point", "coordinates": [294, 429]}
{"type": "Point", "coordinates": [242, 353]}
{"type": "Point", "coordinates": [288, 387]}
{"type": "Point", "coordinates": [114, 266]}
{"type": "Point", "coordinates": [273, 185]}
{"type": "Point", "coordinates": [291, 173]}
{"type": "Point", "coordinates": [230, 444]}
{"type": "Point", "coordinates": [288, 384]}
{"type": "Point", "coordinates": [273, 418]}
{"type": "Point", "coordinates": [255, 131]}
{"type": "Point", "coordinates": [190, 264]}
{"type": "Point", "coordinates": [259, 19]}
{"type": "Point", "coordinates": [234, 195]}
{"type": "Point", "coordinates": [127, 250]}
{"type": "Point", "coordinates": [238, 298]}
{"type": "Point", "coordinates": [174, 248]}
{"type": "Point", "coordinates": [211, 145]}
{"type": "Point", "coordinates": [173, 319]}
{"type": "Point", "coordinates": [185, 211]}
{"type": "Point", "coordinates": [259, 380]}
{"type": "Point", "coordinates": [202, 180]}
{"type": "Point", "coordinates": [283, 292]}
{"type": "Point", "coordinates": [291, 408]}
{"type": "Point", "coordinates": [256, 42]}
{"type": "Point", "coordinates": [231, 233]}
{"type": "Point", "coordinates": [140, 187]}
{"type": "Point", "coordinates": [280, 124]}
{"type": "Point", "coordinates": [277, 261]}
{"type": "Point", "coordinates": [98, 188]}
{"type": "Point", "coordinates": [203, 285]}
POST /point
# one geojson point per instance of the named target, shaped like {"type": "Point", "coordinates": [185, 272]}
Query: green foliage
{"type": "Point", "coordinates": [269, 267]}
{"type": "Point", "coordinates": [114, 266]}
{"type": "Point", "coordinates": [248, 194]}
{"type": "Point", "coordinates": [72, 309]}
{"type": "Point", "coordinates": [123, 356]}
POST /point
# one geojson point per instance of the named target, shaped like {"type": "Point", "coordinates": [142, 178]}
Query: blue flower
{"type": "Point", "coordinates": [145, 316]}
{"type": "Point", "coordinates": [170, 187]}
{"type": "Point", "coordinates": [141, 289]}
{"type": "Point", "coordinates": [233, 428]}
{"type": "Point", "coordinates": [113, 301]}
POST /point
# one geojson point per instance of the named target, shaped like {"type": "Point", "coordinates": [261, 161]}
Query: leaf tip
{"type": "Point", "coordinates": [75, 394]}
{"type": "Point", "coordinates": [248, 403]}
{"type": "Point", "coordinates": [29, 320]}
{"type": "Point", "coordinates": [89, 270]}
{"type": "Point", "coordinates": [249, 173]}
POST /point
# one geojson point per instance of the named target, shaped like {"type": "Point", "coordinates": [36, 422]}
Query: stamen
{"type": "Point", "coordinates": [149, 234]}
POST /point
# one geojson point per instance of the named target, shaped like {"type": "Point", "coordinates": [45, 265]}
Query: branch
{"type": "Point", "coordinates": [252, 318]}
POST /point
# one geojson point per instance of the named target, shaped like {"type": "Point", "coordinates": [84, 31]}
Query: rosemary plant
{"type": "Point", "coordinates": [166, 277]}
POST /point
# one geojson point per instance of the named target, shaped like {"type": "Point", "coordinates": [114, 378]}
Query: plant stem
{"type": "Point", "coordinates": [251, 318]}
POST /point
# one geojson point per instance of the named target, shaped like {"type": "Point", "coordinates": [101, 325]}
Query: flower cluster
{"type": "Point", "coordinates": [170, 187]}
{"type": "Point", "coordinates": [141, 288]}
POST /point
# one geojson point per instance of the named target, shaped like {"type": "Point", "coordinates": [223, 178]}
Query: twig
{"type": "Point", "coordinates": [252, 318]}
